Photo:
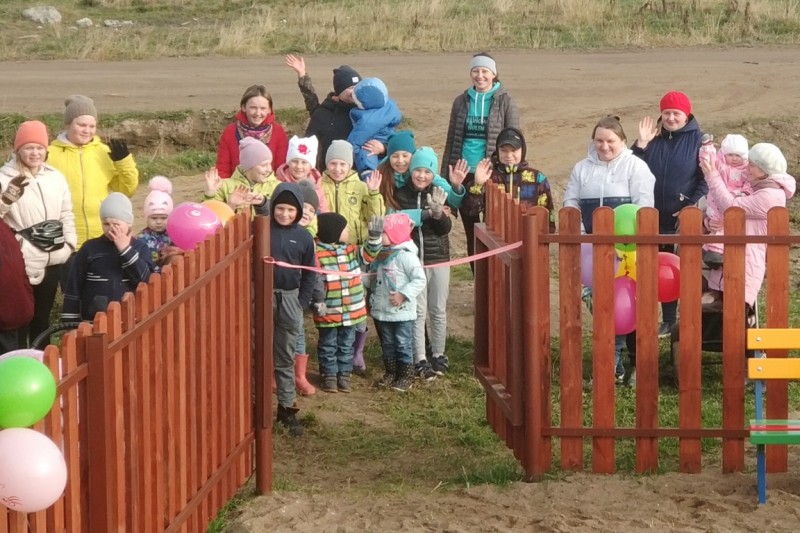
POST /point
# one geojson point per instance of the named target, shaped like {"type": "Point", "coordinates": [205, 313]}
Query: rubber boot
{"type": "Point", "coordinates": [391, 370]}
{"type": "Point", "coordinates": [359, 366]}
{"type": "Point", "coordinates": [287, 417]}
{"type": "Point", "coordinates": [301, 382]}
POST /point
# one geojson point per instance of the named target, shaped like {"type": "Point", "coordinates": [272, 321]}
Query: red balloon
{"type": "Point", "coordinates": [669, 277]}
{"type": "Point", "coordinates": [624, 305]}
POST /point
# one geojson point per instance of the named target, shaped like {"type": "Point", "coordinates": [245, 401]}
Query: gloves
{"type": "Point", "coordinates": [119, 150]}
{"type": "Point", "coordinates": [375, 227]}
{"type": "Point", "coordinates": [14, 191]}
{"type": "Point", "coordinates": [320, 309]}
{"type": "Point", "coordinates": [436, 201]}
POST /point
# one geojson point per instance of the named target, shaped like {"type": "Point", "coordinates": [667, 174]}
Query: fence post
{"type": "Point", "coordinates": [101, 413]}
{"type": "Point", "coordinates": [263, 355]}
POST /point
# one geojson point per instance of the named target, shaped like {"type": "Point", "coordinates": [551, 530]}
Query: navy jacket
{"type": "Point", "coordinates": [292, 244]}
{"type": "Point", "coordinates": [101, 274]}
{"type": "Point", "coordinates": [673, 160]}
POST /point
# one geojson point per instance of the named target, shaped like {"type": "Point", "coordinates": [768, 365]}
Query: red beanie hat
{"type": "Point", "coordinates": [31, 131]}
{"type": "Point", "coordinates": [676, 100]}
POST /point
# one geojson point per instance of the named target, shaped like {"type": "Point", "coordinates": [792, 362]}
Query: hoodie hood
{"type": "Point", "coordinates": [784, 182]}
{"type": "Point", "coordinates": [594, 157]}
{"type": "Point", "coordinates": [691, 125]}
{"type": "Point", "coordinates": [370, 93]}
{"type": "Point", "coordinates": [287, 193]}
{"type": "Point", "coordinates": [481, 103]}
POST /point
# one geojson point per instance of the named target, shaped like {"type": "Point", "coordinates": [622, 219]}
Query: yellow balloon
{"type": "Point", "coordinates": [627, 264]}
{"type": "Point", "coordinates": [222, 210]}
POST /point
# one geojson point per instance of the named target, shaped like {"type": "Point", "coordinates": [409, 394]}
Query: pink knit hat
{"type": "Point", "coordinates": [159, 201]}
{"type": "Point", "coordinates": [397, 228]}
{"type": "Point", "coordinates": [252, 152]}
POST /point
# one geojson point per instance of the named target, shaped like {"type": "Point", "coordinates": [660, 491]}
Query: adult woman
{"type": "Point", "coordinates": [92, 168]}
{"type": "Point", "coordinates": [610, 176]}
{"type": "Point", "coordinates": [255, 119]}
{"type": "Point", "coordinates": [476, 119]}
{"type": "Point", "coordinates": [670, 148]}
{"type": "Point", "coordinates": [40, 212]}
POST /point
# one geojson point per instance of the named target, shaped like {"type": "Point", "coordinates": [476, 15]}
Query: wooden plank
{"type": "Point", "coordinates": [55, 423]}
{"type": "Point", "coordinates": [196, 476]}
{"type": "Point", "coordinates": [647, 341]}
{"type": "Point", "coordinates": [603, 394]}
{"type": "Point", "coordinates": [156, 406]}
{"type": "Point", "coordinates": [733, 342]}
{"type": "Point", "coordinates": [690, 363]}
{"type": "Point", "coordinates": [169, 395]}
{"type": "Point", "coordinates": [144, 383]}
{"type": "Point", "coordinates": [180, 349]}
{"type": "Point", "coordinates": [72, 494]}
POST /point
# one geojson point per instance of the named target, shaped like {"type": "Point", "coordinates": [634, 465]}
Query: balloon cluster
{"type": "Point", "coordinates": [189, 223]}
{"type": "Point", "coordinates": [625, 269]}
{"type": "Point", "coordinates": [33, 472]}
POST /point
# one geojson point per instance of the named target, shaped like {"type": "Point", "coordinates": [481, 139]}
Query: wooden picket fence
{"type": "Point", "coordinates": [513, 334]}
{"type": "Point", "coordinates": [154, 406]}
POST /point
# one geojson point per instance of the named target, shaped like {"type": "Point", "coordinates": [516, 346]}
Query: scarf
{"type": "Point", "coordinates": [262, 132]}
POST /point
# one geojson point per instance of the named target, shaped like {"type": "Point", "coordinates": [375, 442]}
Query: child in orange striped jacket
{"type": "Point", "coordinates": [345, 304]}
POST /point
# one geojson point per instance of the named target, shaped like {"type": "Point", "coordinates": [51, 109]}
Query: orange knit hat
{"type": "Point", "coordinates": [31, 131]}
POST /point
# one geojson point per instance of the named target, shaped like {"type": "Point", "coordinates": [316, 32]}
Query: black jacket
{"type": "Point", "coordinates": [329, 120]}
{"type": "Point", "coordinates": [432, 238]}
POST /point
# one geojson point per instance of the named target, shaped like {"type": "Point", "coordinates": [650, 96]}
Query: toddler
{"type": "Point", "coordinates": [345, 306]}
{"type": "Point", "coordinates": [731, 164]}
{"type": "Point", "coordinates": [374, 118]}
{"type": "Point", "coordinates": [157, 207]}
{"type": "Point", "coordinates": [398, 282]}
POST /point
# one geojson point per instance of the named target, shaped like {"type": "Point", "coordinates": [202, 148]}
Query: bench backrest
{"type": "Point", "coordinates": [773, 339]}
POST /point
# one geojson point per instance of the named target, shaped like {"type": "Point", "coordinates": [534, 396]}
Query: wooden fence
{"type": "Point", "coordinates": [154, 406]}
{"type": "Point", "coordinates": [513, 331]}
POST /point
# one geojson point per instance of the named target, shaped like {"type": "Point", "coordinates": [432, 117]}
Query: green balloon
{"type": "Point", "coordinates": [625, 224]}
{"type": "Point", "coordinates": [27, 392]}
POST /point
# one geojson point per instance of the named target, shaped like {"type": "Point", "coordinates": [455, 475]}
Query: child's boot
{"type": "Point", "coordinates": [404, 377]}
{"type": "Point", "coordinates": [359, 366]}
{"type": "Point", "coordinates": [300, 380]}
{"type": "Point", "coordinates": [343, 382]}
{"type": "Point", "coordinates": [287, 417]}
{"type": "Point", "coordinates": [390, 365]}
{"type": "Point", "coordinates": [329, 383]}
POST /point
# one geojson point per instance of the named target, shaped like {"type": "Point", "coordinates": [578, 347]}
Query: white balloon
{"type": "Point", "coordinates": [33, 472]}
{"type": "Point", "coordinates": [25, 352]}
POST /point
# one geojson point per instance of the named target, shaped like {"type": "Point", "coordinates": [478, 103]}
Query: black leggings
{"type": "Point", "coordinates": [44, 294]}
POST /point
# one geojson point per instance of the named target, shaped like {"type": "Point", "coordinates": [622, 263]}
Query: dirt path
{"type": "Point", "coordinates": [561, 95]}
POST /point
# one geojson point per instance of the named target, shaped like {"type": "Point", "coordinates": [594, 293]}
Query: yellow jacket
{"type": "Point", "coordinates": [353, 200]}
{"type": "Point", "coordinates": [237, 179]}
{"type": "Point", "coordinates": [91, 176]}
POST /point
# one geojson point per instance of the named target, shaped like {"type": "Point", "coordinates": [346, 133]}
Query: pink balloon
{"type": "Point", "coordinates": [190, 223]}
{"type": "Point", "coordinates": [33, 472]}
{"type": "Point", "coordinates": [25, 352]}
{"type": "Point", "coordinates": [624, 305]}
{"type": "Point", "coordinates": [669, 277]}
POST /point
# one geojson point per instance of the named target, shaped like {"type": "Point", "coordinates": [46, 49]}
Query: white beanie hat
{"type": "Point", "coordinates": [304, 148]}
{"type": "Point", "coordinates": [734, 144]}
{"type": "Point", "coordinates": [768, 158]}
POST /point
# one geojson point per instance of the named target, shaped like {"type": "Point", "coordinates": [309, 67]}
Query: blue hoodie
{"type": "Point", "coordinates": [474, 148]}
{"type": "Point", "coordinates": [375, 118]}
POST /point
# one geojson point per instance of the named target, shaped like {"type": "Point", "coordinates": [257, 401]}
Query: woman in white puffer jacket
{"type": "Point", "coordinates": [35, 192]}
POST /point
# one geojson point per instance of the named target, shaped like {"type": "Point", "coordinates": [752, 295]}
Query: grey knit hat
{"type": "Point", "coordinates": [117, 205]}
{"type": "Point", "coordinates": [309, 193]}
{"type": "Point", "coordinates": [339, 149]}
{"type": "Point", "coordinates": [76, 106]}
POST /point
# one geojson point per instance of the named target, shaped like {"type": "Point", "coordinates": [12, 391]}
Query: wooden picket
{"type": "Point", "coordinates": [521, 413]}
{"type": "Point", "coordinates": [154, 408]}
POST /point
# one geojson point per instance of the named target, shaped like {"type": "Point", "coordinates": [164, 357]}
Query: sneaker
{"type": "Point", "coordinates": [664, 329]}
{"type": "Point", "coordinates": [287, 417]}
{"type": "Point", "coordinates": [343, 382]}
{"type": "Point", "coordinates": [440, 365]}
{"type": "Point", "coordinates": [619, 379]}
{"type": "Point", "coordinates": [329, 383]}
{"type": "Point", "coordinates": [632, 378]}
{"type": "Point", "coordinates": [424, 371]}
{"type": "Point", "coordinates": [586, 296]}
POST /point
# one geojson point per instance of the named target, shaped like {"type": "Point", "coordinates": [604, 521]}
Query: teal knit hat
{"type": "Point", "coordinates": [426, 158]}
{"type": "Point", "coordinates": [402, 141]}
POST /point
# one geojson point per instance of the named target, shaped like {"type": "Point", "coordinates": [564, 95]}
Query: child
{"type": "Point", "coordinates": [395, 173]}
{"type": "Point", "coordinates": [374, 118]}
{"type": "Point", "coordinates": [292, 293]}
{"type": "Point", "coordinates": [398, 282]}
{"type": "Point", "coordinates": [252, 182]}
{"type": "Point", "coordinates": [771, 187]}
{"type": "Point", "coordinates": [509, 167]}
{"type": "Point", "coordinates": [357, 202]}
{"type": "Point", "coordinates": [308, 221]}
{"type": "Point", "coordinates": [433, 242]}
{"type": "Point", "coordinates": [106, 267]}
{"type": "Point", "coordinates": [299, 166]}
{"type": "Point", "coordinates": [344, 297]}
{"type": "Point", "coordinates": [731, 163]}
{"type": "Point", "coordinates": [157, 207]}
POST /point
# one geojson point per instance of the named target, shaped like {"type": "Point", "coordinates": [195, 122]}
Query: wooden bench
{"type": "Point", "coordinates": [764, 431]}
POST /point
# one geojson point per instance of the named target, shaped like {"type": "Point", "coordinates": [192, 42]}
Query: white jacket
{"type": "Point", "coordinates": [626, 179]}
{"type": "Point", "coordinates": [46, 197]}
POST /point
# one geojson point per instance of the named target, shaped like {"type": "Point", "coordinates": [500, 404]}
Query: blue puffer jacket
{"type": "Point", "coordinates": [375, 118]}
{"type": "Point", "coordinates": [672, 158]}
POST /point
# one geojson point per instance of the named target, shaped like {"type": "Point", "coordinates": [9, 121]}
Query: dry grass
{"type": "Point", "coordinates": [247, 28]}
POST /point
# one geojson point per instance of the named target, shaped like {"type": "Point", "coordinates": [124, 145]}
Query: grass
{"type": "Point", "coordinates": [244, 28]}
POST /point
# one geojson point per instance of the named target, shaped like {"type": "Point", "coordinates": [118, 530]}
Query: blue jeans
{"type": "Point", "coordinates": [335, 349]}
{"type": "Point", "coordinates": [397, 340]}
{"type": "Point", "coordinates": [620, 342]}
